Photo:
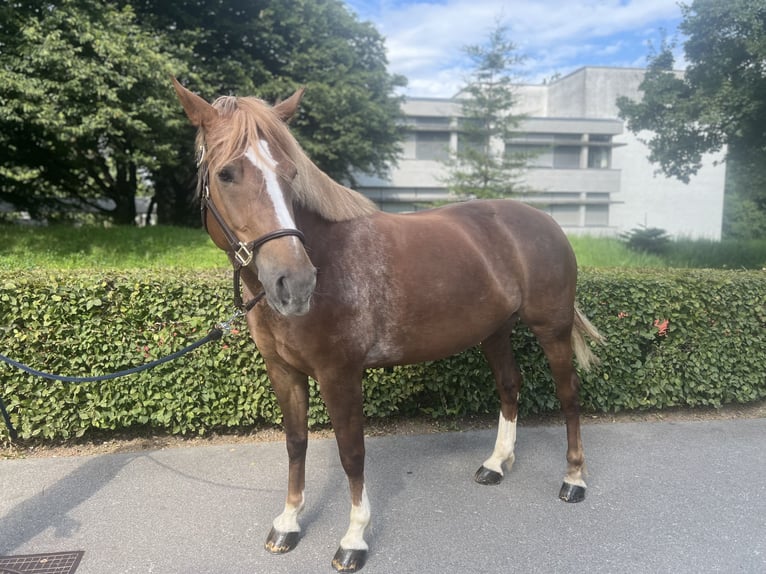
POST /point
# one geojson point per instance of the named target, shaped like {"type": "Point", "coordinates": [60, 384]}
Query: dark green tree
{"type": "Point", "coordinates": [719, 103]}
{"type": "Point", "coordinates": [481, 167]}
{"type": "Point", "coordinates": [87, 110]}
{"type": "Point", "coordinates": [84, 101]}
{"type": "Point", "coordinates": [349, 117]}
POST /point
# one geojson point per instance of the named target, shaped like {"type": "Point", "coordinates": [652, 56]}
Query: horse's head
{"type": "Point", "coordinates": [247, 169]}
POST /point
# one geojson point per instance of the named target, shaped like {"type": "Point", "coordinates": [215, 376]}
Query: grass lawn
{"type": "Point", "coordinates": [681, 253]}
{"type": "Point", "coordinates": [608, 252]}
{"type": "Point", "coordinates": [65, 247]}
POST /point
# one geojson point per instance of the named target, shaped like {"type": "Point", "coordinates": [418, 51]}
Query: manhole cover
{"type": "Point", "coordinates": [53, 563]}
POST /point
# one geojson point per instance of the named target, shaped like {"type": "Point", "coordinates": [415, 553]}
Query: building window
{"type": "Point", "coordinates": [476, 143]}
{"type": "Point", "coordinates": [539, 137]}
{"type": "Point", "coordinates": [562, 151]}
{"type": "Point", "coordinates": [597, 209]}
{"type": "Point", "coordinates": [532, 155]}
{"type": "Point", "coordinates": [566, 157]}
{"type": "Point", "coordinates": [564, 206]}
{"type": "Point", "coordinates": [599, 157]}
{"type": "Point", "coordinates": [432, 123]}
{"type": "Point", "coordinates": [566, 215]}
{"type": "Point", "coordinates": [596, 215]}
{"type": "Point", "coordinates": [472, 136]}
{"type": "Point", "coordinates": [432, 145]}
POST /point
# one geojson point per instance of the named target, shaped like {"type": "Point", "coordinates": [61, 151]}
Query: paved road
{"type": "Point", "coordinates": [680, 498]}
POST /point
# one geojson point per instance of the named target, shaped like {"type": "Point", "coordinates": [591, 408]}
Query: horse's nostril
{"type": "Point", "coordinates": [284, 292]}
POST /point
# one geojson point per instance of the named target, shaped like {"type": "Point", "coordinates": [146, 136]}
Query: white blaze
{"type": "Point", "coordinates": [264, 161]}
{"type": "Point", "coordinates": [504, 446]}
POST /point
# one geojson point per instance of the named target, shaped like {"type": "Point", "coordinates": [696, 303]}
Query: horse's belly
{"type": "Point", "coordinates": [433, 338]}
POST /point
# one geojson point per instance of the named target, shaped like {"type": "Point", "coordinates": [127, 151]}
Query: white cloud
{"type": "Point", "coordinates": [425, 39]}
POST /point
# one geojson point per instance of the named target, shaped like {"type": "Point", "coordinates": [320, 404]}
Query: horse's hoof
{"type": "Point", "coordinates": [349, 560]}
{"type": "Point", "coordinates": [487, 476]}
{"type": "Point", "coordinates": [572, 492]}
{"type": "Point", "coordinates": [281, 542]}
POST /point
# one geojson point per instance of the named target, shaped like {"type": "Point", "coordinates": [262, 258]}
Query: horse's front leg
{"type": "Point", "coordinates": [291, 388]}
{"type": "Point", "coordinates": [342, 394]}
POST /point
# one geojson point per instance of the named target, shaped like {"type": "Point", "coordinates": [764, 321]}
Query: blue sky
{"type": "Point", "coordinates": [424, 37]}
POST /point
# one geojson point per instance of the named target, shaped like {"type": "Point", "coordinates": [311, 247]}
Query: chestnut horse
{"type": "Point", "coordinates": [348, 287]}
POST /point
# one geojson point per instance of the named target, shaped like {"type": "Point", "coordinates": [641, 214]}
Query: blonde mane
{"type": "Point", "coordinates": [251, 119]}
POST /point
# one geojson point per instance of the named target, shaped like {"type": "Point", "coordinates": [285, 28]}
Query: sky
{"type": "Point", "coordinates": [424, 38]}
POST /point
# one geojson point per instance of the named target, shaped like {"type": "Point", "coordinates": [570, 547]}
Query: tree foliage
{"type": "Point", "coordinates": [719, 103]}
{"type": "Point", "coordinates": [481, 167]}
{"type": "Point", "coordinates": [348, 121]}
{"type": "Point", "coordinates": [83, 106]}
{"type": "Point", "coordinates": [88, 110]}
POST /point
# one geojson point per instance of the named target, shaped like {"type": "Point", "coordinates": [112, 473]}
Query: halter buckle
{"type": "Point", "coordinates": [243, 254]}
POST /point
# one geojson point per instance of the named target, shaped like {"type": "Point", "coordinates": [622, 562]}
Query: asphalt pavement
{"type": "Point", "coordinates": [675, 497]}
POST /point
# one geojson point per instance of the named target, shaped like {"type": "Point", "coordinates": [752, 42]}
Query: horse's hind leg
{"type": "Point", "coordinates": [499, 354]}
{"type": "Point", "coordinates": [558, 350]}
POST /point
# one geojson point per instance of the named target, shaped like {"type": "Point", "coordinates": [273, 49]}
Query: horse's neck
{"type": "Point", "coordinates": [330, 200]}
{"type": "Point", "coordinates": [315, 228]}
{"type": "Point", "coordinates": [322, 182]}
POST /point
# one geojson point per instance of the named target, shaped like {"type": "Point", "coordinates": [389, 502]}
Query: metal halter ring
{"type": "Point", "coordinates": [243, 254]}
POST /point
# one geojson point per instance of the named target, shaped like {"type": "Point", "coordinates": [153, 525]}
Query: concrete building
{"type": "Point", "coordinates": [588, 171]}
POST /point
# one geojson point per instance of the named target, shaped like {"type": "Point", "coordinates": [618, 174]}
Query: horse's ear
{"type": "Point", "coordinates": [286, 109]}
{"type": "Point", "coordinates": [199, 111]}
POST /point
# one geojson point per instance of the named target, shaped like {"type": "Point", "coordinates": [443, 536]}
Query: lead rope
{"type": "Point", "coordinates": [215, 334]}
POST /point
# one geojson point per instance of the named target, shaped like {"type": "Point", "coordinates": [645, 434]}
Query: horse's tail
{"type": "Point", "coordinates": [583, 330]}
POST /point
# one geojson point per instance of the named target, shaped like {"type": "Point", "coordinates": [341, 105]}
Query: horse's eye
{"type": "Point", "coordinates": [226, 175]}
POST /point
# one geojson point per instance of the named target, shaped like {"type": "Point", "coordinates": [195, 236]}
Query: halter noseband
{"type": "Point", "coordinates": [240, 253]}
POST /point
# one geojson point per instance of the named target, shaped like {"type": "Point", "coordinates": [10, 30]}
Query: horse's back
{"type": "Point", "coordinates": [515, 237]}
{"type": "Point", "coordinates": [524, 249]}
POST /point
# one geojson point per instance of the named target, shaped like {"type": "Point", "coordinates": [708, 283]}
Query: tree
{"type": "Point", "coordinates": [83, 97]}
{"type": "Point", "coordinates": [349, 117]}
{"type": "Point", "coordinates": [481, 166]}
{"type": "Point", "coordinates": [718, 103]}
{"type": "Point", "coordinates": [87, 110]}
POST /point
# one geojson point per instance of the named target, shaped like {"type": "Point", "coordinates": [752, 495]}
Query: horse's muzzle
{"type": "Point", "coordinates": [289, 292]}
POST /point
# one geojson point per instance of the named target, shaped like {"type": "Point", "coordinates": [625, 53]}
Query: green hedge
{"type": "Point", "coordinates": [710, 352]}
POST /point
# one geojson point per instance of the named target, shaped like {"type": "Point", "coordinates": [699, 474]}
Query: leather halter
{"type": "Point", "coordinates": [240, 253]}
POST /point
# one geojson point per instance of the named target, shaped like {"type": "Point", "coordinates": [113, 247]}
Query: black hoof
{"type": "Point", "coordinates": [572, 492]}
{"type": "Point", "coordinates": [487, 476]}
{"type": "Point", "coordinates": [349, 560]}
{"type": "Point", "coordinates": [281, 542]}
